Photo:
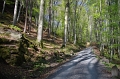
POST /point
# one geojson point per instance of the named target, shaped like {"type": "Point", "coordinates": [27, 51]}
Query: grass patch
{"type": "Point", "coordinates": [71, 48]}
{"type": "Point", "coordinates": [39, 67]}
{"type": "Point", "coordinates": [16, 28]}
{"type": "Point", "coordinates": [4, 34]}
{"type": "Point", "coordinates": [110, 65]}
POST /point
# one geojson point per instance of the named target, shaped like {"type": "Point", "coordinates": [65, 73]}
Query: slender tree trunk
{"type": "Point", "coordinates": [100, 24]}
{"type": "Point", "coordinates": [75, 35]}
{"type": "Point", "coordinates": [30, 15]}
{"type": "Point", "coordinates": [40, 25]}
{"type": "Point", "coordinates": [119, 28]}
{"type": "Point", "coordinates": [15, 12]}
{"type": "Point", "coordinates": [3, 6]}
{"type": "Point", "coordinates": [90, 27]}
{"type": "Point", "coordinates": [52, 17]}
{"type": "Point", "coordinates": [110, 31]}
{"type": "Point", "coordinates": [26, 16]}
{"type": "Point", "coordinates": [66, 23]}
{"type": "Point", "coordinates": [36, 19]}
{"type": "Point", "coordinates": [118, 42]}
{"type": "Point", "coordinates": [69, 31]}
{"type": "Point", "coordinates": [19, 11]}
{"type": "Point", "coordinates": [50, 14]}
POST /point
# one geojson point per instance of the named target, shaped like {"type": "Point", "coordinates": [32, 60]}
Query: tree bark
{"type": "Point", "coordinates": [26, 16]}
{"type": "Point", "coordinates": [30, 15]}
{"type": "Point", "coordinates": [40, 25]}
{"type": "Point", "coordinates": [66, 23]}
{"type": "Point", "coordinates": [15, 13]}
{"type": "Point", "coordinates": [3, 6]}
{"type": "Point", "coordinates": [19, 11]}
{"type": "Point", "coordinates": [50, 19]}
{"type": "Point", "coordinates": [75, 19]}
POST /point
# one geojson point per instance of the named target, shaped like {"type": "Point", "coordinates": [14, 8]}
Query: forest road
{"type": "Point", "coordinates": [84, 66]}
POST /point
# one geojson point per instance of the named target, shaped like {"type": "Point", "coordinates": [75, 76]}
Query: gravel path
{"type": "Point", "coordinates": [84, 66]}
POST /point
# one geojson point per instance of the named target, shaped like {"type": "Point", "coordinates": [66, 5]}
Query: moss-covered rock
{"type": "Point", "coordinates": [13, 59]}
{"type": "Point", "coordinates": [4, 53]}
{"type": "Point", "coordinates": [3, 40]}
{"type": "Point", "coordinates": [19, 53]}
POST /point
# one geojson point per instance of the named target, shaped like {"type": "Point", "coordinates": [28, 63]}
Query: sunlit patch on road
{"type": "Point", "coordinates": [84, 66]}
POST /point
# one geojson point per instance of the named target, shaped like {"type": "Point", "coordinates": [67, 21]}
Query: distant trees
{"type": "Point", "coordinates": [105, 22]}
{"type": "Point", "coordinates": [76, 21]}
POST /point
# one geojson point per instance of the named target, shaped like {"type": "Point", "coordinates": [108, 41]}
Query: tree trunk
{"type": "Point", "coordinates": [15, 12]}
{"type": "Point", "coordinates": [90, 27]}
{"type": "Point", "coordinates": [119, 29]}
{"type": "Point", "coordinates": [40, 25]}
{"type": "Point", "coordinates": [3, 6]}
{"type": "Point", "coordinates": [66, 23]}
{"type": "Point", "coordinates": [50, 19]}
{"type": "Point", "coordinates": [26, 16]}
{"type": "Point", "coordinates": [75, 35]}
{"type": "Point", "coordinates": [19, 11]}
{"type": "Point", "coordinates": [36, 19]}
{"type": "Point", "coordinates": [30, 15]}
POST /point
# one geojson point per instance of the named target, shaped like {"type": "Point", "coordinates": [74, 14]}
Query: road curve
{"type": "Point", "coordinates": [84, 66]}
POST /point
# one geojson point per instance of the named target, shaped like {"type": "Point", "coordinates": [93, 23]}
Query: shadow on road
{"type": "Point", "coordinates": [83, 66]}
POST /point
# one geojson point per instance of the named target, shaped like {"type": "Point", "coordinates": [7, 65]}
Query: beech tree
{"type": "Point", "coordinates": [15, 12]}
{"type": "Point", "coordinates": [20, 7]}
{"type": "Point", "coordinates": [30, 15]}
{"type": "Point", "coordinates": [3, 6]}
{"type": "Point", "coordinates": [50, 17]}
{"type": "Point", "coordinates": [26, 15]}
{"type": "Point", "coordinates": [66, 22]}
{"type": "Point", "coordinates": [40, 25]}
